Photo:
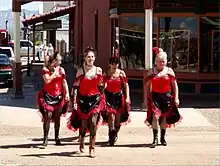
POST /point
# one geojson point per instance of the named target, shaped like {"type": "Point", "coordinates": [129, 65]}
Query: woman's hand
{"type": "Point", "coordinates": [176, 101]}
{"type": "Point", "coordinates": [127, 100]}
{"type": "Point", "coordinates": [75, 105]}
{"type": "Point", "coordinates": [67, 97]}
{"type": "Point", "coordinates": [56, 72]}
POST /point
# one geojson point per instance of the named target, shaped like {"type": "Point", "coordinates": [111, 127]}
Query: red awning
{"type": "Point", "coordinates": [48, 15]}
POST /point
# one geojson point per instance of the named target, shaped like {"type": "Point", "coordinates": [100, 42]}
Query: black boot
{"type": "Point", "coordinates": [57, 140]}
{"type": "Point", "coordinates": [155, 139]}
{"type": "Point", "coordinates": [45, 141]}
{"type": "Point", "coordinates": [46, 127]}
{"type": "Point", "coordinates": [117, 128]}
{"type": "Point", "coordinates": [112, 135]}
{"type": "Point", "coordinates": [162, 137]}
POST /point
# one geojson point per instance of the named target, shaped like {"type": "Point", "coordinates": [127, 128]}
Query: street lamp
{"type": "Point", "coordinates": [28, 65]}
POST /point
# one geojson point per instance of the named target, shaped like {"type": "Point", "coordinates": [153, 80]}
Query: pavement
{"type": "Point", "coordinates": [21, 137]}
{"type": "Point", "coordinates": [195, 141]}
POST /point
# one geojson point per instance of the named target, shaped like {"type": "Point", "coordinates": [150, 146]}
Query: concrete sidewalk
{"type": "Point", "coordinates": [193, 142]}
{"type": "Point", "coordinates": [9, 116]}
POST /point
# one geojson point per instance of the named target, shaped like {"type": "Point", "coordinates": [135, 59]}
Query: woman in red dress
{"type": "Point", "coordinates": [162, 97]}
{"type": "Point", "coordinates": [87, 100]}
{"type": "Point", "coordinates": [117, 99]}
{"type": "Point", "coordinates": [53, 100]}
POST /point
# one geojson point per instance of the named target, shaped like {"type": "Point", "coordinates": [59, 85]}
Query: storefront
{"type": "Point", "coordinates": [188, 30]}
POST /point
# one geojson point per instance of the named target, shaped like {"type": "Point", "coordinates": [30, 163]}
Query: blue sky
{"type": "Point", "coordinates": [7, 4]}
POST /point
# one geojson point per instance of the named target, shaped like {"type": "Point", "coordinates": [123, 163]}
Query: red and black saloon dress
{"type": "Point", "coordinates": [90, 100]}
{"type": "Point", "coordinates": [115, 98]}
{"type": "Point", "coordinates": [161, 100]}
{"type": "Point", "coordinates": [52, 97]}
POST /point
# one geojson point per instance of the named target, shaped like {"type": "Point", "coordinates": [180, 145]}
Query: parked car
{"type": "Point", "coordinates": [5, 70]}
{"type": "Point", "coordinates": [24, 47]}
{"type": "Point", "coordinates": [8, 51]}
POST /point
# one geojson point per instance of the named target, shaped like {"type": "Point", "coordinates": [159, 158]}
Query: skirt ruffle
{"type": "Point", "coordinates": [74, 121]}
{"type": "Point", "coordinates": [172, 115]}
{"type": "Point", "coordinates": [123, 111]}
{"type": "Point", "coordinates": [43, 106]}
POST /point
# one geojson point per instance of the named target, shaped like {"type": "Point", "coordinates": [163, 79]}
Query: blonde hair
{"type": "Point", "coordinates": [46, 60]}
{"type": "Point", "coordinates": [161, 55]}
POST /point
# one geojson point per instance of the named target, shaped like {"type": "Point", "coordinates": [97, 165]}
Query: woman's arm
{"type": "Point", "coordinates": [127, 89]}
{"type": "Point", "coordinates": [147, 85]}
{"type": "Point", "coordinates": [65, 85]}
{"type": "Point", "coordinates": [48, 78]}
{"type": "Point", "coordinates": [174, 83]}
{"type": "Point", "coordinates": [147, 88]}
{"type": "Point", "coordinates": [75, 86]}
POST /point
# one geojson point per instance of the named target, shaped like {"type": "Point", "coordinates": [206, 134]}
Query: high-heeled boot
{"type": "Point", "coordinates": [46, 127]}
{"type": "Point", "coordinates": [112, 135]}
{"type": "Point", "coordinates": [81, 143]}
{"type": "Point", "coordinates": [155, 139]}
{"type": "Point", "coordinates": [45, 141]}
{"type": "Point", "coordinates": [57, 140]}
{"type": "Point", "coordinates": [117, 128]}
{"type": "Point", "coordinates": [162, 138]}
{"type": "Point", "coordinates": [92, 146]}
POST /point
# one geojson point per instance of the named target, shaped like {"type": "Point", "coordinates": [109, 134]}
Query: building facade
{"type": "Point", "coordinates": [187, 30]}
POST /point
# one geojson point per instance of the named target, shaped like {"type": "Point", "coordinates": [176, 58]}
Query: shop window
{"type": "Point", "coordinates": [210, 44]}
{"type": "Point", "coordinates": [178, 37]}
{"type": "Point", "coordinates": [132, 42]}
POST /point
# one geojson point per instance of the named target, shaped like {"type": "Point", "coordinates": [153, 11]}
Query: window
{"type": "Point", "coordinates": [210, 44]}
{"type": "Point", "coordinates": [179, 38]}
{"type": "Point", "coordinates": [132, 42]}
{"type": "Point", "coordinates": [4, 60]}
{"type": "Point", "coordinates": [25, 44]}
{"type": "Point", "coordinates": [6, 52]}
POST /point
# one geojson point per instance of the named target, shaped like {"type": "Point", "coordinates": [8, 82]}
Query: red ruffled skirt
{"type": "Point", "coordinates": [116, 104]}
{"type": "Point", "coordinates": [162, 104]}
{"type": "Point", "coordinates": [43, 105]}
{"type": "Point", "coordinates": [74, 121]}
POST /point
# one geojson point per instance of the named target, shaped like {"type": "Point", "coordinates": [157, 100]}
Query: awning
{"type": "Point", "coordinates": [23, 2]}
{"type": "Point", "coordinates": [48, 15]}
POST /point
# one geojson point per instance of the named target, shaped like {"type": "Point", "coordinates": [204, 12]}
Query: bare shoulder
{"type": "Point", "coordinates": [45, 69]}
{"type": "Point", "coordinates": [62, 70]}
{"type": "Point", "coordinates": [170, 71]}
{"type": "Point", "coordinates": [122, 73]}
{"type": "Point", "coordinates": [99, 70]}
{"type": "Point", "coordinates": [104, 74]}
{"type": "Point", "coordinates": [79, 72]}
{"type": "Point", "coordinates": [149, 72]}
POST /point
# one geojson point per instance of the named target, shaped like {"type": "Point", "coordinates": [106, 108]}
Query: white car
{"type": "Point", "coordinates": [24, 48]}
{"type": "Point", "coordinates": [8, 51]}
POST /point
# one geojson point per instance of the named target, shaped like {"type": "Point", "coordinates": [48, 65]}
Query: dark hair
{"type": "Point", "coordinates": [113, 59]}
{"type": "Point", "coordinates": [89, 49]}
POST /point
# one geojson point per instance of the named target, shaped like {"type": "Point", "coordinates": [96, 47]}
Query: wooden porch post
{"type": "Point", "coordinates": [148, 5]}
